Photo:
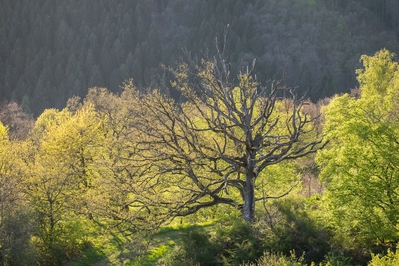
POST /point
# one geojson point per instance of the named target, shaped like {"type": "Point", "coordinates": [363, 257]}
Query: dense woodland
{"type": "Point", "coordinates": [53, 50]}
{"type": "Point", "coordinates": [199, 133]}
{"type": "Point", "coordinates": [240, 173]}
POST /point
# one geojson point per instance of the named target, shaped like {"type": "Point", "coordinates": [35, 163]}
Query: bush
{"type": "Point", "coordinates": [237, 242]}
{"type": "Point", "coordinates": [195, 247]}
{"type": "Point", "coordinates": [66, 242]}
{"type": "Point", "coordinates": [232, 243]}
{"type": "Point", "coordinates": [297, 230]}
{"type": "Point", "coordinates": [274, 259]}
{"type": "Point", "coordinates": [390, 259]}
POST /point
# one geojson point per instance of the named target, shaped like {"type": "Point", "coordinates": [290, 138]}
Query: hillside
{"type": "Point", "coordinates": [52, 50]}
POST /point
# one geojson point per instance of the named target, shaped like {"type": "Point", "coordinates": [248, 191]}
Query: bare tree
{"type": "Point", "coordinates": [18, 122]}
{"type": "Point", "coordinates": [221, 138]}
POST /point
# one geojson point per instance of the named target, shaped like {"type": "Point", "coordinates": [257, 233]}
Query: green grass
{"type": "Point", "coordinates": [108, 249]}
{"type": "Point", "coordinates": [182, 227]}
{"type": "Point", "coordinates": [164, 241]}
{"type": "Point", "coordinates": [103, 248]}
{"type": "Point", "coordinates": [90, 257]}
{"type": "Point", "coordinates": [153, 255]}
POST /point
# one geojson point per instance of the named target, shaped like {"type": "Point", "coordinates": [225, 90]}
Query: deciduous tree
{"type": "Point", "coordinates": [217, 146]}
{"type": "Point", "coordinates": [58, 176]}
{"type": "Point", "coordinates": [360, 165]}
{"type": "Point", "coordinates": [16, 223]}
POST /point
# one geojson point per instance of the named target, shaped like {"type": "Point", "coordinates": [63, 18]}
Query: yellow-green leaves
{"type": "Point", "coordinates": [16, 219]}
{"type": "Point", "coordinates": [3, 132]}
{"type": "Point", "coordinates": [360, 163]}
{"type": "Point", "coordinates": [58, 170]}
{"type": "Point", "coordinates": [390, 259]}
{"type": "Point", "coordinates": [379, 75]}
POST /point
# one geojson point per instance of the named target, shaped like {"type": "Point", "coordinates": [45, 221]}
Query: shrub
{"type": "Point", "coordinates": [275, 259]}
{"type": "Point", "coordinates": [237, 242]}
{"type": "Point", "coordinates": [390, 259]}
{"type": "Point", "coordinates": [232, 243]}
{"type": "Point", "coordinates": [66, 242]}
{"type": "Point", "coordinates": [297, 230]}
{"type": "Point", "coordinates": [195, 248]}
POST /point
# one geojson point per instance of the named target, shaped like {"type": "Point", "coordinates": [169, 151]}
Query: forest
{"type": "Point", "coordinates": [53, 50]}
{"type": "Point", "coordinates": [125, 140]}
{"type": "Point", "coordinates": [239, 173]}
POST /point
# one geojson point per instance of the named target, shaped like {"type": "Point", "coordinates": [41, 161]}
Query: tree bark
{"type": "Point", "coordinates": [248, 211]}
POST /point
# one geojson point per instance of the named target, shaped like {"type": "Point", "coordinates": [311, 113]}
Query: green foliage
{"type": "Point", "coordinates": [232, 243]}
{"type": "Point", "coordinates": [298, 229]}
{"type": "Point", "coordinates": [16, 223]}
{"type": "Point", "coordinates": [15, 238]}
{"type": "Point", "coordinates": [238, 241]}
{"type": "Point", "coordinates": [196, 248]}
{"type": "Point", "coordinates": [391, 258]}
{"type": "Point", "coordinates": [55, 178]}
{"type": "Point", "coordinates": [273, 259]}
{"type": "Point", "coordinates": [337, 260]}
{"type": "Point", "coordinates": [71, 239]}
{"type": "Point", "coordinates": [132, 161]}
{"type": "Point", "coordinates": [3, 133]}
{"type": "Point", "coordinates": [277, 259]}
{"type": "Point", "coordinates": [359, 165]}
{"type": "Point", "coordinates": [160, 252]}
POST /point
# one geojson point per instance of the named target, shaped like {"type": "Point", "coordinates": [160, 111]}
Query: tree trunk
{"type": "Point", "coordinates": [248, 210]}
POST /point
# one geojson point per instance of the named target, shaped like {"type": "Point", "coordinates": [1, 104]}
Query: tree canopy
{"type": "Point", "coordinates": [128, 163]}
{"type": "Point", "coordinates": [360, 163]}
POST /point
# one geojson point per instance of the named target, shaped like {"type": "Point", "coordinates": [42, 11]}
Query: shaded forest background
{"type": "Point", "coordinates": [51, 50]}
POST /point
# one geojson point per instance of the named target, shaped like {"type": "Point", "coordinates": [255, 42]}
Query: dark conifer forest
{"type": "Point", "coordinates": [53, 50]}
